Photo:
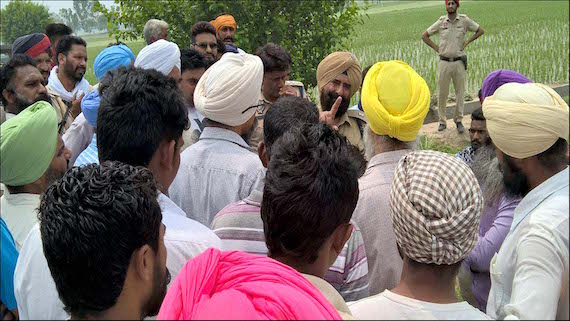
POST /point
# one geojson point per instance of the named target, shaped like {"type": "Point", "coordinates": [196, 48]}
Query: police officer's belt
{"type": "Point", "coordinates": [462, 58]}
{"type": "Point", "coordinates": [450, 59]}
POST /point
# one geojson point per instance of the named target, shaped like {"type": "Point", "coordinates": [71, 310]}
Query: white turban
{"type": "Point", "coordinates": [525, 120]}
{"type": "Point", "coordinates": [161, 55]}
{"type": "Point", "coordinates": [228, 89]}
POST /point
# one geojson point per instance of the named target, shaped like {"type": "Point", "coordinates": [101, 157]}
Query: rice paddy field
{"type": "Point", "coordinates": [531, 37]}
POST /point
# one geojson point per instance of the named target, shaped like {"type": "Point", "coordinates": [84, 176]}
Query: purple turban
{"type": "Point", "coordinates": [499, 77]}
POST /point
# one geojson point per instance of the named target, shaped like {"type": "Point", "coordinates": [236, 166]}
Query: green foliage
{"type": "Point", "coordinates": [308, 29]}
{"type": "Point", "coordinates": [83, 17]}
{"type": "Point", "coordinates": [22, 17]}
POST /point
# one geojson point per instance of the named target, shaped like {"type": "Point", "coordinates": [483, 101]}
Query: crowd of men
{"type": "Point", "coordinates": [201, 183]}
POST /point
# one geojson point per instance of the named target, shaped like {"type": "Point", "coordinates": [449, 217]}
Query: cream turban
{"type": "Point", "coordinates": [336, 64]}
{"type": "Point", "coordinates": [435, 204]}
{"type": "Point", "coordinates": [161, 55]}
{"type": "Point", "coordinates": [524, 120]}
{"type": "Point", "coordinates": [228, 89]}
{"type": "Point", "coordinates": [395, 100]}
{"type": "Point", "coordinates": [28, 143]}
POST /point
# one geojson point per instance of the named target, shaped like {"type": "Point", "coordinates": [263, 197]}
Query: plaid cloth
{"type": "Point", "coordinates": [435, 204]}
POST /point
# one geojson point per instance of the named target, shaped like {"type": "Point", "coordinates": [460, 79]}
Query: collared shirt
{"type": "Point", "coordinates": [240, 227]}
{"type": "Point", "coordinates": [466, 155]}
{"type": "Point", "coordinates": [34, 286]}
{"type": "Point", "coordinates": [372, 215]}
{"type": "Point", "coordinates": [257, 135]}
{"type": "Point", "coordinates": [493, 228]}
{"type": "Point", "coordinates": [90, 155]}
{"type": "Point", "coordinates": [19, 211]}
{"type": "Point", "coordinates": [8, 258]}
{"type": "Point", "coordinates": [529, 275]}
{"type": "Point", "coordinates": [452, 34]}
{"type": "Point", "coordinates": [348, 127]}
{"type": "Point", "coordinates": [216, 171]}
{"type": "Point", "coordinates": [77, 137]}
{"type": "Point", "coordinates": [391, 306]}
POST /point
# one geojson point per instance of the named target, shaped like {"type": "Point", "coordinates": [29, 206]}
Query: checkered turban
{"type": "Point", "coordinates": [435, 204]}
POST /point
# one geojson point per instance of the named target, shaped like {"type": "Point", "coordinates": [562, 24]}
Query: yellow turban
{"type": "Point", "coordinates": [525, 120]}
{"type": "Point", "coordinates": [395, 100]}
{"type": "Point", "coordinates": [28, 143]}
{"type": "Point", "coordinates": [336, 64]}
{"type": "Point", "coordinates": [224, 20]}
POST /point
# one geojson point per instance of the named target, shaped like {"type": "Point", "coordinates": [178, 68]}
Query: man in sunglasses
{"type": "Point", "coordinates": [203, 36]}
{"type": "Point", "coordinates": [220, 169]}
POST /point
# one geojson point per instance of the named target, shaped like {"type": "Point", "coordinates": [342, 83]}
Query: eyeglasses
{"type": "Point", "coordinates": [205, 45]}
{"type": "Point", "coordinates": [250, 107]}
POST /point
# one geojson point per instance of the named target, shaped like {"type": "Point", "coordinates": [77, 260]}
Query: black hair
{"type": "Point", "coordinates": [284, 114]}
{"type": "Point", "coordinates": [274, 57]}
{"type": "Point", "coordinates": [65, 44]}
{"type": "Point", "coordinates": [138, 110]}
{"type": "Point", "coordinates": [311, 188]}
{"type": "Point", "coordinates": [221, 46]}
{"type": "Point", "coordinates": [201, 27]}
{"type": "Point", "coordinates": [57, 30]}
{"type": "Point", "coordinates": [91, 221]}
{"type": "Point", "coordinates": [479, 94]}
{"type": "Point", "coordinates": [191, 59]}
{"type": "Point", "coordinates": [364, 72]}
{"type": "Point", "coordinates": [477, 114]}
{"type": "Point", "coordinates": [555, 155]}
{"type": "Point", "coordinates": [8, 72]}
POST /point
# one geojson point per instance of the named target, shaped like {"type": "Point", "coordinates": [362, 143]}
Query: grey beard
{"type": "Point", "coordinates": [486, 169]}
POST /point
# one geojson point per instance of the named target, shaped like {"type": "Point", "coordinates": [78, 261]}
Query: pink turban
{"type": "Point", "coordinates": [237, 285]}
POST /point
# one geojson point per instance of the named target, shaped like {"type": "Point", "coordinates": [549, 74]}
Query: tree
{"type": "Point", "coordinates": [83, 17]}
{"type": "Point", "coordinates": [308, 29]}
{"type": "Point", "coordinates": [22, 17]}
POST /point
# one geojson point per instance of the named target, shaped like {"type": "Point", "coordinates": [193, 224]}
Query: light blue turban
{"type": "Point", "coordinates": [90, 106]}
{"type": "Point", "coordinates": [112, 58]}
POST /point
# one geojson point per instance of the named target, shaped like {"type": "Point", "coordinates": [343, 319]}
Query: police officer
{"type": "Point", "coordinates": [339, 77]}
{"type": "Point", "coordinates": [452, 29]}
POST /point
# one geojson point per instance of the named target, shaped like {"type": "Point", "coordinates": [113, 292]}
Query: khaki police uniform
{"type": "Point", "coordinates": [263, 107]}
{"type": "Point", "coordinates": [451, 40]}
{"type": "Point", "coordinates": [351, 125]}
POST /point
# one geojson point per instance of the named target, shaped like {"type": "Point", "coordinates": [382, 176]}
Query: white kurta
{"type": "Point", "coordinates": [34, 286]}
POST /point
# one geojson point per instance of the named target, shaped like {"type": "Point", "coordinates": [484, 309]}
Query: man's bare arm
{"type": "Point", "coordinates": [427, 40]}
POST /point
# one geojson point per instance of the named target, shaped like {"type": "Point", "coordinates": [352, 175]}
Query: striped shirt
{"type": "Point", "coordinates": [240, 227]}
{"type": "Point", "coordinates": [90, 155]}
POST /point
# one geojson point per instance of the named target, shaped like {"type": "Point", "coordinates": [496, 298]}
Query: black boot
{"type": "Point", "coordinates": [460, 127]}
{"type": "Point", "coordinates": [441, 127]}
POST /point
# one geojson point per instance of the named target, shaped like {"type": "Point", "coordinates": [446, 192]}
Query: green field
{"type": "Point", "coordinates": [528, 36]}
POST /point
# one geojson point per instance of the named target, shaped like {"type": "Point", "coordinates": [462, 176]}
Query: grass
{"type": "Point", "coordinates": [96, 43]}
{"type": "Point", "coordinates": [527, 36]}
{"type": "Point", "coordinates": [431, 143]}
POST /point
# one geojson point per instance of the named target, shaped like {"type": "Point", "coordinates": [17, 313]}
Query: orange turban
{"type": "Point", "coordinates": [224, 20]}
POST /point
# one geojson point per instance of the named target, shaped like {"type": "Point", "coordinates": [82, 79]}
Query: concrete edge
{"type": "Point", "coordinates": [470, 106]}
